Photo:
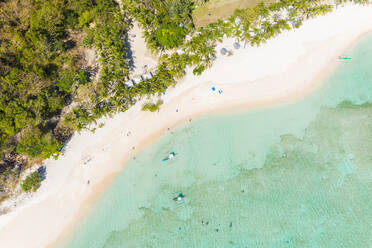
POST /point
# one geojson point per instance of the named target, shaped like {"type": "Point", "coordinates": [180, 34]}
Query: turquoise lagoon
{"type": "Point", "coordinates": [296, 175]}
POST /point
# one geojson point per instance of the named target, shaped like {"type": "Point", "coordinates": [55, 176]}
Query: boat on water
{"type": "Point", "coordinates": [179, 197]}
{"type": "Point", "coordinates": [170, 156]}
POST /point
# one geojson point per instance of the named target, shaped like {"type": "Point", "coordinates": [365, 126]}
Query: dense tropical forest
{"type": "Point", "coordinates": [43, 73]}
{"type": "Point", "coordinates": [49, 91]}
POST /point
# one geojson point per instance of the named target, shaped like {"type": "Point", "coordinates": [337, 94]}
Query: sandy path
{"type": "Point", "coordinates": [286, 68]}
{"type": "Point", "coordinates": [141, 56]}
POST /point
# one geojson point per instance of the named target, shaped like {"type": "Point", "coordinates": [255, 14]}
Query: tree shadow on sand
{"type": "Point", "coordinates": [127, 42]}
{"type": "Point", "coordinates": [42, 172]}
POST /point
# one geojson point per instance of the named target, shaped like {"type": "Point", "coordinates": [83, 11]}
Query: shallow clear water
{"type": "Point", "coordinates": [297, 175]}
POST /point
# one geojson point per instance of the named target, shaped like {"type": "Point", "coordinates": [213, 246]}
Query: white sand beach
{"type": "Point", "coordinates": [284, 69]}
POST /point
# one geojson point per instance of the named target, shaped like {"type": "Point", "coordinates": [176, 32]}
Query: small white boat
{"type": "Point", "coordinates": [179, 197]}
{"type": "Point", "coordinates": [170, 156]}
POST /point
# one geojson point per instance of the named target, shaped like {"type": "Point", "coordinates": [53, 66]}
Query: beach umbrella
{"type": "Point", "coordinates": [236, 45]}
{"type": "Point", "coordinates": [223, 51]}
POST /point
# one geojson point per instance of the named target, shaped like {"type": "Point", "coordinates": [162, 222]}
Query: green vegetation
{"type": "Point", "coordinates": [42, 70]}
{"type": "Point", "coordinates": [215, 10]}
{"type": "Point", "coordinates": [36, 144]}
{"type": "Point", "coordinates": [31, 182]}
{"type": "Point", "coordinates": [152, 107]}
{"type": "Point", "coordinates": [166, 22]}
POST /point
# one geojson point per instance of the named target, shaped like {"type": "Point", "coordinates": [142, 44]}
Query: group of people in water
{"type": "Point", "coordinates": [207, 222]}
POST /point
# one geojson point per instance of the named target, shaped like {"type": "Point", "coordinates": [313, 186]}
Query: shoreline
{"type": "Point", "coordinates": [194, 98]}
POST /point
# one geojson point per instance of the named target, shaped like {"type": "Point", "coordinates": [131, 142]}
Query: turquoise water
{"type": "Point", "coordinates": [297, 175]}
